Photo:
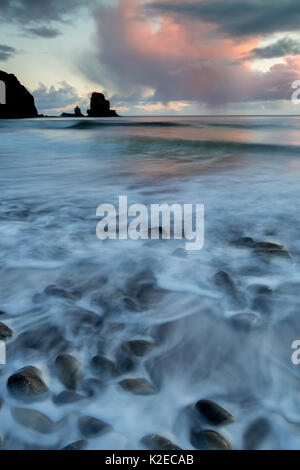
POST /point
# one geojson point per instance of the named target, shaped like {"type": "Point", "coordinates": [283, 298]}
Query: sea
{"type": "Point", "coordinates": [152, 328]}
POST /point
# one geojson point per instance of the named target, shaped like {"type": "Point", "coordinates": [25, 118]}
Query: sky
{"type": "Point", "coordinates": [154, 57]}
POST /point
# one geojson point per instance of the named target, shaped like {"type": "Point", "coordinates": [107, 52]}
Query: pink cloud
{"type": "Point", "coordinates": [181, 61]}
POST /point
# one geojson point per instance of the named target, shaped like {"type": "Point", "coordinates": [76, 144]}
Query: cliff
{"type": "Point", "coordinates": [19, 103]}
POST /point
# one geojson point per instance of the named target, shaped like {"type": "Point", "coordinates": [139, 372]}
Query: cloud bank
{"type": "Point", "coordinates": [193, 51]}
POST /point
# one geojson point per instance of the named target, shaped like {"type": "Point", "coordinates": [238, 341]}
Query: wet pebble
{"type": "Point", "coordinates": [67, 397]}
{"type": "Point", "coordinates": [244, 242]}
{"type": "Point", "coordinates": [91, 427]}
{"type": "Point", "coordinates": [43, 338]}
{"type": "Point", "coordinates": [77, 445]}
{"type": "Point", "coordinates": [155, 442]}
{"type": "Point", "coordinates": [104, 367]}
{"type": "Point", "coordinates": [256, 433]}
{"type": "Point", "coordinates": [209, 440]}
{"type": "Point", "coordinates": [34, 420]}
{"type": "Point", "coordinates": [140, 348]}
{"type": "Point", "coordinates": [245, 321]}
{"type": "Point", "coordinates": [138, 386]}
{"type": "Point", "coordinates": [69, 370]}
{"type": "Point", "coordinates": [214, 413]}
{"type": "Point", "coordinates": [226, 284]}
{"type": "Point", "coordinates": [5, 332]}
{"type": "Point", "coordinates": [27, 384]}
{"type": "Point", "coordinates": [58, 291]}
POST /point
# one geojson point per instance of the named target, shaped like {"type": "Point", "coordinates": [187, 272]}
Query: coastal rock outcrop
{"type": "Point", "coordinates": [16, 102]}
{"type": "Point", "coordinates": [100, 107]}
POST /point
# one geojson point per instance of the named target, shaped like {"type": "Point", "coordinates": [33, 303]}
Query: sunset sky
{"type": "Point", "coordinates": [155, 57]}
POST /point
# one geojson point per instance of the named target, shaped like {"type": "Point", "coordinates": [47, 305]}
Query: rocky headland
{"type": "Point", "coordinates": [16, 102]}
{"type": "Point", "coordinates": [19, 103]}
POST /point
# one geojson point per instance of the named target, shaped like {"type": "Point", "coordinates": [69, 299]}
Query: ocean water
{"type": "Point", "coordinates": [221, 337]}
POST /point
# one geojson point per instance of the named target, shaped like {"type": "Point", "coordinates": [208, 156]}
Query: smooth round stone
{"type": "Point", "coordinates": [92, 427]}
{"type": "Point", "coordinates": [5, 332]}
{"type": "Point", "coordinates": [77, 445]}
{"type": "Point", "coordinates": [138, 386]}
{"type": "Point", "coordinates": [256, 433]}
{"type": "Point", "coordinates": [104, 368]}
{"type": "Point", "coordinates": [155, 442]}
{"type": "Point", "coordinates": [27, 384]}
{"type": "Point", "coordinates": [209, 440]}
{"type": "Point", "coordinates": [34, 420]}
{"type": "Point", "coordinates": [260, 289]}
{"type": "Point", "coordinates": [58, 291]}
{"type": "Point", "coordinates": [140, 348]}
{"type": "Point", "coordinates": [270, 250]}
{"type": "Point", "coordinates": [68, 370]}
{"type": "Point", "coordinates": [214, 413]}
{"type": "Point", "coordinates": [67, 397]}
{"type": "Point", "coordinates": [245, 321]}
{"type": "Point", "coordinates": [244, 242]}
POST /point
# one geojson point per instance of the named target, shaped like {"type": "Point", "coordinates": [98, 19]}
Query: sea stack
{"type": "Point", "coordinates": [100, 107]}
{"type": "Point", "coordinates": [16, 102]}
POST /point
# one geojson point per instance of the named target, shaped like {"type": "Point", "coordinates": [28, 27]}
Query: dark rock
{"type": "Point", "coordinates": [268, 250]}
{"type": "Point", "coordinates": [155, 442]}
{"type": "Point", "coordinates": [19, 102]}
{"type": "Point", "coordinates": [244, 242]}
{"type": "Point", "coordinates": [226, 284]}
{"type": "Point", "coordinates": [256, 433]}
{"type": "Point", "coordinates": [140, 348]}
{"type": "Point", "coordinates": [260, 289]}
{"type": "Point", "coordinates": [93, 387]}
{"type": "Point", "coordinates": [209, 440]}
{"type": "Point", "coordinates": [2, 313]}
{"type": "Point", "coordinates": [77, 445]}
{"type": "Point", "coordinates": [5, 332]}
{"type": "Point", "coordinates": [100, 107]}
{"type": "Point", "coordinates": [77, 114]}
{"type": "Point", "coordinates": [132, 304]}
{"type": "Point", "coordinates": [69, 370]}
{"type": "Point", "coordinates": [34, 420]}
{"type": "Point", "coordinates": [27, 384]}
{"type": "Point", "coordinates": [223, 280]}
{"type": "Point", "coordinates": [43, 338]}
{"type": "Point", "coordinates": [91, 427]}
{"type": "Point", "coordinates": [150, 294]}
{"type": "Point", "coordinates": [83, 322]}
{"type": "Point", "coordinates": [58, 291]}
{"type": "Point", "coordinates": [214, 413]}
{"type": "Point", "coordinates": [138, 386]}
{"type": "Point", "coordinates": [67, 397]}
{"type": "Point", "coordinates": [39, 298]}
{"type": "Point", "coordinates": [104, 368]}
{"type": "Point", "coordinates": [245, 321]}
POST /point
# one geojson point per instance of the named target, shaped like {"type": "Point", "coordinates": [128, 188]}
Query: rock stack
{"type": "Point", "coordinates": [19, 103]}
{"type": "Point", "coordinates": [100, 107]}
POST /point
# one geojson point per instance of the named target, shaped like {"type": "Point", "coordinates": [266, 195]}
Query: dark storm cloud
{"type": "Point", "coordinates": [38, 11]}
{"type": "Point", "coordinates": [6, 52]}
{"type": "Point", "coordinates": [237, 17]}
{"type": "Point", "coordinates": [281, 48]}
{"type": "Point", "coordinates": [43, 32]}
